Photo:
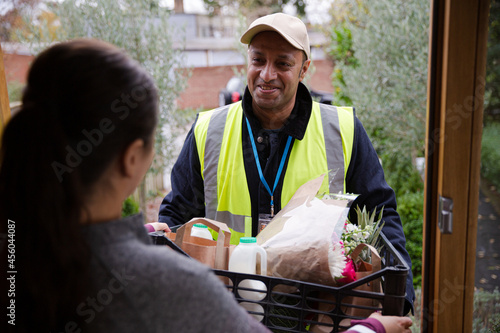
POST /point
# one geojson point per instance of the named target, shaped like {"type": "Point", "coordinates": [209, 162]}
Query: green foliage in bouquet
{"type": "Point", "coordinates": [367, 231]}
{"type": "Point", "coordinates": [367, 220]}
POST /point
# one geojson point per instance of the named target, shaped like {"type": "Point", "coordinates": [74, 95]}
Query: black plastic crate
{"type": "Point", "coordinates": [295, 306]}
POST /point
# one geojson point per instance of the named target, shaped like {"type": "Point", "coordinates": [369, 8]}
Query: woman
{"type": "Point", "coordinates": [80, 145]}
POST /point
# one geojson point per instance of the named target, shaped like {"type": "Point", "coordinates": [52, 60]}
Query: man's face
{"type": "Point", "coordinates": [275, 69]}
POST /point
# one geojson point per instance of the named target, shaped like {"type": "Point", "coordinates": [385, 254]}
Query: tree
{"type": "Point", "coordinates": [141, 28]}
{"type": "Point", "coordinates": [341, 46]}
{"type": "Point", "coordinates": [387, 84]}
{"type": "Point", "coordinates": [380, 50]}
{"type": "Point", "coordinates": [12, 17]}
{"type": "Point", "coordinates": [492, 92]}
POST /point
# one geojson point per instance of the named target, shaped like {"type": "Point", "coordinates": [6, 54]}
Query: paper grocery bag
{"type": "Point", "coordinates": [214, 254]}
{"type": "Point", "coordinates": [364, 269]}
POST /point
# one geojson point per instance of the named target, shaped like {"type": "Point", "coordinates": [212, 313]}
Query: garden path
{"type": "Point", "coordinates": [487, 275]}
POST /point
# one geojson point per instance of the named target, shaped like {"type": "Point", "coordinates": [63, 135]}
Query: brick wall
{"type": "Point", "coordinates": [16, 67]}
{"type": "Point", "coordinates": [202, 87]}
{"type": "Point", "coordinates": [322, 77]}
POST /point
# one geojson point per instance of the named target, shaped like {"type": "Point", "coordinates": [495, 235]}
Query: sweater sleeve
{"type": "Point", "coordinates": [149, 227]}
{"type": "Point", "coordinates": [368, 325]}
{"type": "Point", "coordinates": [365, 177]}
{"type": "Point", "coordinates": [186, 199]}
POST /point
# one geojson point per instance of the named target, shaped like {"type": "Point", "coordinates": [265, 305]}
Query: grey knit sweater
{"type": "Point", "coordinates": [140, 287]}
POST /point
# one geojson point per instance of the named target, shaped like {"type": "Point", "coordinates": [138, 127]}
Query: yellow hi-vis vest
{"type": "Point", "coordinates": [325, 149]}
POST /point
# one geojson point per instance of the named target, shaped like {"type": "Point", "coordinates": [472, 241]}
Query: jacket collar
{"type": "Point", "coordinates": [296, 124]}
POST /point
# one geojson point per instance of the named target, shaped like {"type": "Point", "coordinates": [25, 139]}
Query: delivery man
{"type": "Point", "coordinates": [241, 163]}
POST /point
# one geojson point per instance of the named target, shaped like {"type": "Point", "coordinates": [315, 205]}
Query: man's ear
{"type": "Point", "coordinates": [303, 70]}
{"type": "Point", "coordinates": [131, 157]}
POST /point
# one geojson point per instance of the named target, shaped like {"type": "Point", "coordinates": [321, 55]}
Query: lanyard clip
{"type": "Point", "coordinates": [272, 206]}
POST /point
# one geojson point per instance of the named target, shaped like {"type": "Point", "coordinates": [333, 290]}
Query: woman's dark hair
{"type": "Point", "coordinates": [85, 101]}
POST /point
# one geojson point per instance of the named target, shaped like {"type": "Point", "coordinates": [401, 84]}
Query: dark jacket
{"type": "Point", "coordinates": [365, 176]}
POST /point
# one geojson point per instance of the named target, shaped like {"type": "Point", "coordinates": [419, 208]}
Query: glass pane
{"type": "Point", "coordinates": [487, 271]}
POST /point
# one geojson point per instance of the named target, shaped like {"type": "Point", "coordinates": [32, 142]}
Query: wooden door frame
{"type": "Point", "coordinates": [456, 79]}
{"type": "Point", "coordinates": [4, 95]}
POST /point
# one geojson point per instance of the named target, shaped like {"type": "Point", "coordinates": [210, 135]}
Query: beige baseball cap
{"type": "Point", "coordinates": [290, 27]}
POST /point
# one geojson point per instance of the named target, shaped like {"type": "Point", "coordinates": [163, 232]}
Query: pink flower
{"type": "Point", "coordinates": [349, 273]}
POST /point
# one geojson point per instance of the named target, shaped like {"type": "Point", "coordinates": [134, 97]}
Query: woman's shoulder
{"type": "Point", "coordinates": [161, 258]}
{"type": "Point", "coordinates": [154, 262]}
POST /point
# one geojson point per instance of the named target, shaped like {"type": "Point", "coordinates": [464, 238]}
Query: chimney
{"type": "Point", "coordinates": [179, 7]}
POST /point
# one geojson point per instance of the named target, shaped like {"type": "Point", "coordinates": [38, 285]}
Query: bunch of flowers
{"type": "Point", "coordinates": [366, 231]}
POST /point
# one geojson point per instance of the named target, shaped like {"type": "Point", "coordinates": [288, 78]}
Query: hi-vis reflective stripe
{"type": "Point", "coordinates": [319, 152]}
{"type": "Point", "coordinates": [325, 148]}
{"type": "Point", "coordinates": [342, 131]}
{"type": "Point", "coordinates": [223, 171]}
{"type": "Point", "coordinates": [333, 148]}
{"type": "Point", "coordinates": [210, 158]}
{"type": "Point", "coordinates": [346, 121]}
